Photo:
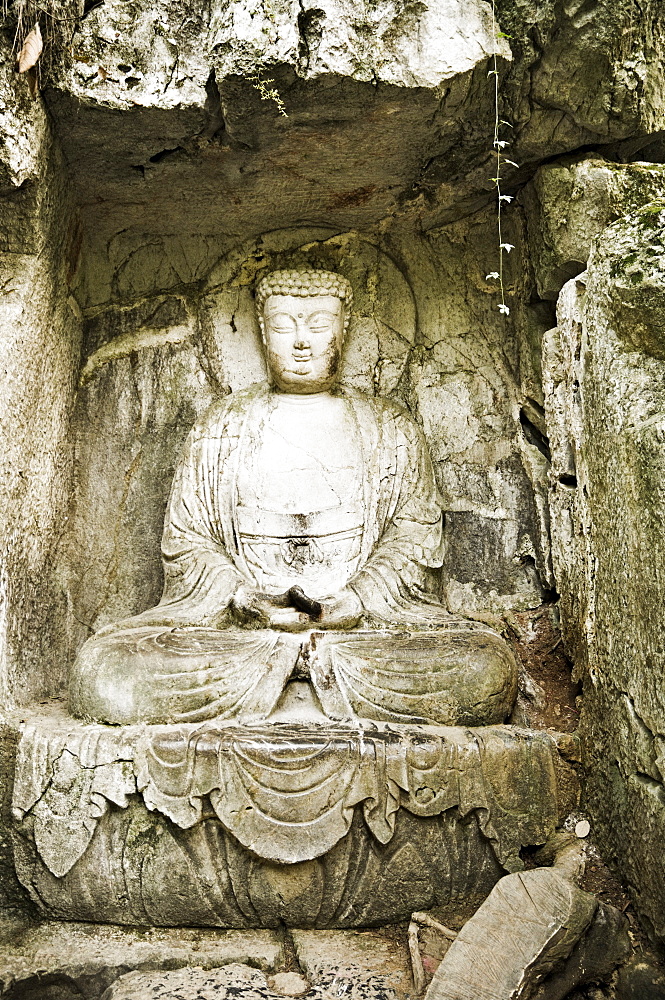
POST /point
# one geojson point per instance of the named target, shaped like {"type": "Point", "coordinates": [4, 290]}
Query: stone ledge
{"type": "Point", "coordinates": [93, 956]}
{"type": "Point", "coordinates": [187, 822]}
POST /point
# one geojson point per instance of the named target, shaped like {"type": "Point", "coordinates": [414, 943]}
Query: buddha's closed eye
{"type": "Point", "coordinates": [322, 319]}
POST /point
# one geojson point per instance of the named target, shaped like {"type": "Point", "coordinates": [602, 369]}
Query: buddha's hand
{"type": "Point", "coordinates": [254, 608]}
{"type": "Point", "coordinates": [251, 607]}
{"type": "Point", "coordinates": [341, 611]}
{"type": "Point", "coordinates": [295, 611]}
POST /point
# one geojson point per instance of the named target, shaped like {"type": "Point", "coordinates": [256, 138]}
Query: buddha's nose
{"type": "Point", "coordinates": [301, 343]}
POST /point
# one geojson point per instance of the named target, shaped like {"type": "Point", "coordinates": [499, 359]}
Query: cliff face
{"type": "Point", "coordinates": [40, 352]}
{"type": "Point", "coordinates": [177, 151]}
{"type": "Point", "coordinates": [604, 374]}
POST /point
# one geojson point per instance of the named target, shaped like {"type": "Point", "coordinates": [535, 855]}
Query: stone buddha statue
{"type": "Point", "coordinates": [301, 544]}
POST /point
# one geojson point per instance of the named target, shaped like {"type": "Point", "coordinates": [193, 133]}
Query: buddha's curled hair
{"type": "Point", "coordinates": [304, 283]}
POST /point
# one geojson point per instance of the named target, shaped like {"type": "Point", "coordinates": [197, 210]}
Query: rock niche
{"type": "Point", "coordinates": [330, 512]}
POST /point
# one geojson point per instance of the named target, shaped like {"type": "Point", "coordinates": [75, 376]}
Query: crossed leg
{"type": "Point", "coordinates": [156, 674]}
{"type": "Point", "coordinates": [459, 674]}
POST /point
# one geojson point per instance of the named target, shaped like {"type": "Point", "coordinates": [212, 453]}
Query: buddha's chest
{"type": "Point", "coordinates": [304, 458]}
{"type": "Point", "coordinates": [300, 496]}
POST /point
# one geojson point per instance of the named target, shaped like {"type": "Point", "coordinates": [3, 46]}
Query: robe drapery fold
{"type": "Point", "coordinates": [402, 533]}
{"type": "Point", "coordinates": [186, 660]}
{"type": "Point", "coordinates": [288, 793]}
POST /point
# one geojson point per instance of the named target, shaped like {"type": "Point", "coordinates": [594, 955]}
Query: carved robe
{"type": "Point", "coordinates": [411, 661]}
{"type": "Point", "coordinates": [402, 531]}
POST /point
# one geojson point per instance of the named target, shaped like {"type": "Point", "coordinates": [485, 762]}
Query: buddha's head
{"type": "Point", "coordinates": [303, 316]}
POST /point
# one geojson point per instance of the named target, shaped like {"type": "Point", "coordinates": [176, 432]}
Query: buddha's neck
{"type": "Point", "coordinates": [303, 398]}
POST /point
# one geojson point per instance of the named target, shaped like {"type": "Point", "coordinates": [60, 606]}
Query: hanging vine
{"type": "Point", "coordinates": [498, 147]}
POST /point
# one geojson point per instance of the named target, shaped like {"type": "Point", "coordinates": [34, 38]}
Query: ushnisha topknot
{"type": "Point", "coordinates": [304, 283]}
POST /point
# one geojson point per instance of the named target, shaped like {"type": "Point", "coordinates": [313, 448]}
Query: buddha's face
{"type": "Point", "coordinates": [303, 340]}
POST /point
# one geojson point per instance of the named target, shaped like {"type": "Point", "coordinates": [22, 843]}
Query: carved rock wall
{"type": "Point", "coordinates": [605, 368]}
{"type": "Point", "coordinates": [39, 358]}
{"type": "Point", "coordinates": [181, 162]}
{"type": "Point", "coordinates": [157, 132]}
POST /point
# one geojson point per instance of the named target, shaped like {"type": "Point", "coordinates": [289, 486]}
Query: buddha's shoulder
{"type": "Point", "coordinates": [234, 407]}
{"type": "Point", "coordinates": [382, 407]}
{"type": "Point", "coordinates": [228, 409]}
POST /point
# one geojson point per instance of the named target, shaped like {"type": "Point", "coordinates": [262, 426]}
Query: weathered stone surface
{"type": "Point", "coordinates": [181, 158]}
{"type": "Point", "coordinates": [87, 958]}
{"type": "Point", "coordinates": [39, 351]}
{"type": "Point", "coordinates": [183, 99]}
{"type": "Point", "coordinates": [231, 152]}
{"type": "Point", "coordinates": [289, 984]}
{"type": "Point", "coordinates": [56, 961]}
{"type": "Point", "coordinates": [529, 924]}
{"type": "Point", "coordinates": [467, 380]}
{"type": "Point", "coordinates": [25, 141]}
{"type": "Point", "coordinates": [643, 978]}
{"type": "Point", "coordinates": [569, 203]}
{"type": "Point", "coordinates": [606, 408]}
{"type": "Point", "coordinates": [604, 946]}
{"type": "Point", "coordinates": [572, 558]}
{"type": "Point", "coordinates": [193, 984]}
{"type": "Point", "coordinates": [417, 818]}
{"type": "Point", "coordinates": [245, 983]}
{"type": "Point", "coordinates": [355, 956]}
{"type": "Point", "coordinates": [14, 901]}
{"type": "Point", "coordinates": [132, 413]}
{"type": "Point", "coordinates": [177, 161]}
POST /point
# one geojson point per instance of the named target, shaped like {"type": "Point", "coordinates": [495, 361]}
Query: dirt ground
{"type": "Point", "coordinates": [549, 701]}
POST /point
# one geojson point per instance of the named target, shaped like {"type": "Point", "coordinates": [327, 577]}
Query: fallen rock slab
{"type": "Point", "coordinates": [527, 927]}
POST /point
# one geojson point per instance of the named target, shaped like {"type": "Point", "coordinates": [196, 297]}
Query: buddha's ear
{"type": "Point", "coordinates": [346, 318]}
{"type": "Point", "coordinates": [262, 328]}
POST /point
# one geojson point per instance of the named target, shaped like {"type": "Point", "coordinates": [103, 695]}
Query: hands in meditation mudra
{"type": "Point", "coordinates": [301, 544]}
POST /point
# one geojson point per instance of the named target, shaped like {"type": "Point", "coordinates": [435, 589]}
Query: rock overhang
{"type": "Point", "coordinates": [245, 119]}
{"type": "Point", "coordinates": [232, 118]}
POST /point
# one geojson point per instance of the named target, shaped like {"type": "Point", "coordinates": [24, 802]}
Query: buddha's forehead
{"type": "Point", "coordinates": [306, 305]}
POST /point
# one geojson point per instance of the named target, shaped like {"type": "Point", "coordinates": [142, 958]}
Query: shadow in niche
{"type": "Point", "coordinates": [532, 419]}
{"type": "Point", "coordinates": [50, 987]}
{"type": "Point", "coordinates": [568, 480]}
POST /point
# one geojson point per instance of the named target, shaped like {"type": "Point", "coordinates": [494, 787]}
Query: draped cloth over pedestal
{"type": "Point", "coordinates": [287, 793]}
